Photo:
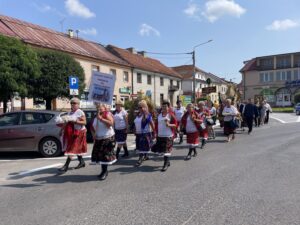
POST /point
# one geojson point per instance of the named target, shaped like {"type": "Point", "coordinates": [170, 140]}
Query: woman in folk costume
{"type": "Point", "coordinates": [203, 131]}
{"type": "Point", "coordinates": [191, 123]}
{"type": "Point", "coordinates": [144, 126]}
{"type": "Point", "coordinates": [121, 126]}
{"type": "Point", "coordinates": [104, 135]}
{"type": "Point", "coordinates": [229, 113]}
{"type": "Point", "coordinates": [74, 135]}
{"type": "Point", "coordinates": [165, 128]}
{"type": "Point", "coordinates": [179, 111]}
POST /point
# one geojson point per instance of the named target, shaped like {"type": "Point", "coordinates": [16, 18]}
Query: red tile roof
{"type": "Point", "coordinates": [47, 38]}
{"type": "Point", "coordinates": [141, 62]}
{"type": "Point", "coordinates": [249, 66]}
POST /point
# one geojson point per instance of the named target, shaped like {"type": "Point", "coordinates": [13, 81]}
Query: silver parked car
{"type": "Point", "coordinates": [30, 131]}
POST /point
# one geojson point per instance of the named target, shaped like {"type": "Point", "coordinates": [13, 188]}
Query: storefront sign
{"type": "Point", "coordinates": [186, 99]}
{"type": "Point", "coordinates": [125, 90]}
{"type": "Point", "coordinates": [208, 90]}
{"type": "Point", "coordinates": [294, 83]}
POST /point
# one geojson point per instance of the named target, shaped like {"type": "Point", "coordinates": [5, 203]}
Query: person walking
{"type": "Point", "coordinates": [191, 123]}
{"type": "Point", "coordinates": [121, 126]}
{"type": "Point", "coordinates": [104, 136]}
{"type": "Point", "coordinates": [256, 114]}
{"type": "Point", "coordinates": [269, 110]}
{"type": "Point", "coordinates": [263, 112]}
{"type": "Point", "coordinates": [179, 111]}
{"type": "Point", "coordinates": [74, 135]}
{"type": "Point", "coordinates": [203, 113]}
{"type": "Point", "coordinates": [166, 125]}
{"type": "Point", "coordinates": [144, 127]}
{"type": "Point", "coordinates": [229, 113]}
{"type": "Point", "coordinates": [249, 114]}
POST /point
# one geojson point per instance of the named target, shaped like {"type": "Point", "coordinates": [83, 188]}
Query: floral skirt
{"type": "Point", "coordinates": [103, 151]}
{"type": "Point", "coordinates": [228, 128]}
{"type": "Point", "coordinates": [163, 145]}
{"type": "Point", "coordinates": [192, 139]}
{"type": "Point", "coordinates": [143, 142]}
{"type": "Point", "coordinates": [121, 136]}
{"type": "Point", "coordinates": [78, 146]}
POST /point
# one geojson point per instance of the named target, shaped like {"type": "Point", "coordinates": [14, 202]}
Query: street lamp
{"type": "Point", "coordinates": [194, 68]}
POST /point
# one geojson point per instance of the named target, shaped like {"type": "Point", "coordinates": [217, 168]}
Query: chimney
{"type": "Point", "coordinates": [143, 53]}
{"type": "Point", "coordinates": [132, 50]}
{"type": "Point", "coordinates": [70, 33]}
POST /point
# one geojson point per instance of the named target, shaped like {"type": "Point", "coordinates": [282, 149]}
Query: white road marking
{"type": "Point", "coordinates": [298, 120]}
{"type": "Point", "coordinates": [281, 121]}
{"type": "Point", "coordinates": [38, 169]}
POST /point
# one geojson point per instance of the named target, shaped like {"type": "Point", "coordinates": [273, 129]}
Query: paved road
{"type": "Point", "coordinates": [253, 180]}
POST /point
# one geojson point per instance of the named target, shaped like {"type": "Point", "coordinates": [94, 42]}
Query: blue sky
{"type": "Point", "coordinates": [240, 29]}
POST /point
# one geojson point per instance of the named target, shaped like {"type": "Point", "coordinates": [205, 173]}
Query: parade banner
{"type": "Point", "coordinates": [102, 88]}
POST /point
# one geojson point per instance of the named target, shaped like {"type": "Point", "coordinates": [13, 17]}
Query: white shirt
{"type": "Point", "coordinates": [138, 126]}
{"type": "Point", "coordinates": [120, 120]}
{"type": "Point", "coordinates": [229, 113]}
{"type": "Point", "coordinates": [179, 113]}
{"type": "Point", "coordinates": [163, 130]}
{"type": "Point", "coordinates": [101, 130]}
{"type": "Point", "coordinates": [190, 125]}
{"type": "Point", "coordinates": [75, 116]}
{"type": "Point", "coordinates": [213, 111]}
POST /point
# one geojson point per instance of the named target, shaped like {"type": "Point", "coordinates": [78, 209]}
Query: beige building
{"type": "Point", "coordinates": [150, 76]}
{"type": "Point", "coordinates": [90, 55]}
{"type": "Point", "coordinates": [275, 78]}
{"type": "Point", "coordinates": [201, 76]}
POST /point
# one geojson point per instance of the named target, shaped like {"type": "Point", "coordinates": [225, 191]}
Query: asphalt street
{"type": "Point", "coordinates": [254, 179]}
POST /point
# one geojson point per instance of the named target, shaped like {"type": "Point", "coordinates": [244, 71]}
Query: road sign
{"type": "Point", "coordinates": [74, 85]}
{"type": "Point", "coordinates": [208, 90]}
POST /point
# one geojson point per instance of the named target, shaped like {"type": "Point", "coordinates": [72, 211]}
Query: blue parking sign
{"type": "Point", "coordinates": [73, 82]}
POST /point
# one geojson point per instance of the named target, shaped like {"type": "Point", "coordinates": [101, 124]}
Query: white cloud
{"type": "Point", "coordinates": [280, 25]}
{"type": "Point", "coordinates": [215, 9]}
{"type": "Point", "coordinates": [89, 31]}
{"type": "Point", "coordinates": [192, 11]}
{"type": "Point", "coordinates": [47, 8]}
{"type": "Point", "coordinates": [76, 8]}
{"type": "Point", "coordinates": [147, 30]}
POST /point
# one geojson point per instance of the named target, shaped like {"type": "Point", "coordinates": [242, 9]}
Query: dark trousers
{"type": "Point", "coordinates": [257, 121]}
{"type": "Point", "coordinates": [267, 116]}
{"type": "Point", "coordinates": [249, 121]}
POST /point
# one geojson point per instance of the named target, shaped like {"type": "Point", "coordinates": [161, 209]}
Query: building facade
{"type": "Point", "coordinates": [275, 78]}
{"type": "Point", "coordinates": [150, 77]}
{"type": "Point", "coordinates": [201, 76]}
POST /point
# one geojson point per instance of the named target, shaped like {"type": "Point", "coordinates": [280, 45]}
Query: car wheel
{"type": "Point", "coordinates": [50, 147]}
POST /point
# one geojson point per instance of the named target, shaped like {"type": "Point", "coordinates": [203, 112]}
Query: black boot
{"type": "Point", "coordinates": [140, 161]}
{"type": "Point", "coordinates": [104, 172]}
{"type": "Point", "coordinates": [166, 164]}
{"type": "Point", "coordinates": [195, 152]}
{"type": "Point", "coordinates": [146, 157]}
{"type": "Point", "coordinates": [181, 139]}
{"type": "Point", "coordinates": [189, 156]}
{"type": "Point", "coordinates": [203, 143]}
{"type": "Point", "coordinates": [81, 162]}
{"type": "Point", "coordinates": [118, 152]}
{"type": "Point", "coordinates": [126, 153]}
{"type": "Point", "coordinates": [66, 166]}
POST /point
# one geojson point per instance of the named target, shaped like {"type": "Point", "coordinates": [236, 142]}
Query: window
{"type": "Point", "coordinates": [178, 84]}
{"type": "Point", "coordinates": [278, 76]}
{"type": "Point", "coordinates": [149, 80]}
{"type": "Point", "coordinates": [261, 77]}
{"type": "Point", "coordinates": [95, 68]}
{"type": "Point", "coordinates": [10, 119]}
{"type": "Point", "coordinates": [289, 75]}
{"type": "Point", "coordinates": [48, 116]}
{"type": "Point", "coordinates": [284, 62]}
{"type": "Point", "coordinates": [125, 76]}
{"type": "Point", "coordinates": [161, 97]}
{"type": "Point", "coordinates": [32, 118]}
{"type": "Point", "coordinates": [283, 75]}
{"type": "Point", "coordinates": [271, 76]}
{"type": "Point", "coordinates": [296, 75]}
{"type": "Point", "coordinates": [139, 78]}
{"type": "Point", "coordinates": [113, 72]}
{"type": "Point", "coordinates": [266, 63]}
{"type": "Point", "coordinates": [161, 81]}
{"type": "Point", "coordinates": [171, 82]}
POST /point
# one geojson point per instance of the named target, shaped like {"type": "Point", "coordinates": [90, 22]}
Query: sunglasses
{"type": "Point", "coordinates": [74, 103]}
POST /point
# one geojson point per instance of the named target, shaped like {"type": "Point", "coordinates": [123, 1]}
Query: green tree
{"type": "Point", "coordinates": [18, 65]}
{"type": "Point", "coordinates": [297, 98]}
{"type": "Point", "coordinates": [56, 67]}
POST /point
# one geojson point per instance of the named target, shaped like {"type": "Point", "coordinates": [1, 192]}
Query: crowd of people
{"type": "Point", "coordinates": [155, 131]}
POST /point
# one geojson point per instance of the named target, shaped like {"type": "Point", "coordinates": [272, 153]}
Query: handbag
{"type": "Point", "coordinates": [234, 123]}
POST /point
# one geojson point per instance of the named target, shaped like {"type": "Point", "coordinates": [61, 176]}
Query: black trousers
{"type": "Point", "coordinates": [267, 116]}
{"type": "Point", "coordinates": [249, 121]}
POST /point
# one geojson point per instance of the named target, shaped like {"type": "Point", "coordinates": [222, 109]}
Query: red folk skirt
{"type": "Point", "coordinates": [78, 145]}
{"type": "Point", "coordinates": [192, 139]}
{"type": "Point", "coordinates": [204, 133]}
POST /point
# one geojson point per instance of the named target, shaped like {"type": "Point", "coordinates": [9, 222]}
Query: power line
{"type": "Point", "coordinates": [175, 53]}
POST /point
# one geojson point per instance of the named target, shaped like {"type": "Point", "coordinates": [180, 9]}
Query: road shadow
{"type": "Point", "coordinates": [66, 178]}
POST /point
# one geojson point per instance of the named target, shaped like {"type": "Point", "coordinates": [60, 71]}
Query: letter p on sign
{"type": "Point", "coordinates": [73, 82]}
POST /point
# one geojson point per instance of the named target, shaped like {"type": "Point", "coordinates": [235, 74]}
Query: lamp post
{"type": "Point", "coordinates": [194, 69]}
